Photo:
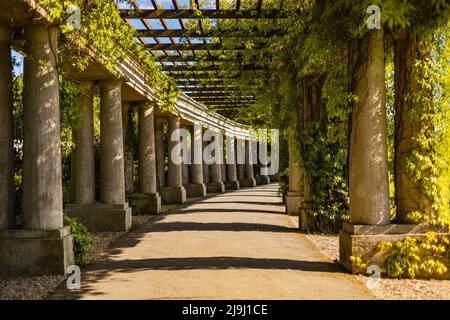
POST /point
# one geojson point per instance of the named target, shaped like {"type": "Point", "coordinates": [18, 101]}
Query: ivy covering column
{"type": "Point", "coordinates": [6, 132]}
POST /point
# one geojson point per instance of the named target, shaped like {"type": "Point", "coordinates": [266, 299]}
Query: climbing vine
{"type": "Point", "coordinates": [426, 257]}
{"type": "Point", "coordinates": [428, 164]}
{"type": "Point", "coordinates": [104, 31]}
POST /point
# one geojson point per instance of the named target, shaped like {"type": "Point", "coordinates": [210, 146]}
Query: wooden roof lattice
{"type": "Point", "coordinates": [192, 56]}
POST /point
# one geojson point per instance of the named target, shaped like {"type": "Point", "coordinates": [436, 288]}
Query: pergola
{"type": "Point", "coordinates": [186, 37]}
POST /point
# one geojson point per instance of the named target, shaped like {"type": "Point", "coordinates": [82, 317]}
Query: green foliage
{"type": "Point", "coordinates": [112, 39]}
{"type": "Point", "coordinates": [17, 87]}
{"type": "Point", "coordinates": [428, 163]}
{"type": "Point", "coordinates": [423, 257]}
{"type": "Point", "coordinates": [324, 160]}
{"type": "Point", "coordinates": [82, 241]}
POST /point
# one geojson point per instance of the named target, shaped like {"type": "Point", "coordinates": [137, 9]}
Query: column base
{"type": "Point", "coordinates": [173, 195]}
{"type": "Point", "coordinates": [305, 215]}
{"type": "Point", "coordinates": [101, 217]}
{"type": "Point", "coordinates": [261, 180]}
{"type": "Point", "coordinates": [362, 240]}
{"type": "Point", "coordinates": [196, 190]}
{"type": "Point", "coordinates": [248, 183]}
{"type": "Point", "coordinates": [293, 203]}
{"type": "Point", "coordinates": [232, 185]}
{"type": "Point", "coordinates": [275, 178]}
{"type": "Point", "coordinates": [36, 252]}
{"type": "Point", "coordinates": [148, 204]}
{"type": "Point", "coordinates": [216, 187]}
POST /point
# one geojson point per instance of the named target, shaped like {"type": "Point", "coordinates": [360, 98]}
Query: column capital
{"type": "Point", "coordinates": [147, 104]}
{"type": "Point", "coordinates": [39, 34]}
{"type": "Point", "coordinates": [110, 83]}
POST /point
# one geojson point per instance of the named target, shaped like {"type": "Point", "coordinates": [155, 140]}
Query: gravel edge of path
{"type": "Point", "coordinates": [388, 289]}
{"type": "Point", "coordinates": [39, 287]}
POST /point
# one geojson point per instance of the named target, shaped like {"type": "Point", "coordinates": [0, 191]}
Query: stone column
{"type": "Point", "coordinates": [149, 199]}
{"type": "Point", "coordinates": [216, 185]}
{"type": "Point", "coordinates": [206, 165]}
{"type": "Point", "coordinates": [250, 176]}
{"type": "Point", "coordinates": [127, 149]}
{"type": "Point", "coordinates": [160, 152]}
{"type": "Point", "coordinates": [174, 174]}
{"type": "Point", "coordinates": [240, 160]}
{"type": "Point", "coordinates": [42, 180]}
{"type": "Point", "coordinates": [6, 132]}
{"type": "Point", "coordinates": [294, 197]}
{"type": "Point", "coordinates": [232, 179]}
{"type": "Point", "coordinates": [223, 168]}
{"type": "Point", "coordinates": [43, 245]}
{"type": "Point", "coordinates": [113, 212]}
{"type": "Point", "coordinates": [175, 192]}
{"type": "Point", "coordinates": [368, 164]}
{"type": "Point", "coordinates": [112, 182]}
{"type": "Point", "coordinates": [83, 161]}
{"type": "Point", "coordinates": [185, 166]}
{"type": "Point", "coordinates": [263, 158]}
{"type": "Point", "coordinates": [196, 188]}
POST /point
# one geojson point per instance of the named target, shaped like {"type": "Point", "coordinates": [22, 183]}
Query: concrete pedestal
{"type": "Point", "coordinates": [261, 180]}
{"type": "Point", "coordinates": [232, 185]}
{"type": "Point", "coordinates": [293, 203]}
{"type": "Point", "coordinates": [173, 195]}
{"type": "Point", "coordinates": [216, 187]}
{"type": "Point", "coordinates": [148, 204]}
{"type": "Point", "coordinates": [36, 252]}
{"type": "Point", "coordinates": [196, 190]}
{"type": "Point", "coordinates": [101, 217]}
{"type": "Point", "coordinates": [248, 183]}
{"type": "Point", "coordinates": [362, 240]}
{"type": "Point", "coordinates": [305, 215]}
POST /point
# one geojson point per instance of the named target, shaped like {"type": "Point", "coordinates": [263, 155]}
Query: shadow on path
{"type": "Point", "coordinates": [211, 226]}
{"type": "Point", "coordinates": [220, 263]}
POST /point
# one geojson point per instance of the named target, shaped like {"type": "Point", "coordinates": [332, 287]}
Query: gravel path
{"type": "Point", "coordinates": [38, 287]}
{"type": "Point", "coordinates": [389, 289]}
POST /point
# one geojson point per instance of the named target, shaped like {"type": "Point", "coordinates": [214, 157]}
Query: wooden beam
{"type": "Point", "coordinates": [229, 95]}
{"type": "Point", "coordinates": [211, 33]}
{"type": "Point", "coordinates": [199, 46]}
{"type": "Point", "coordinates": [198, 68]}
{"type": "Point", "coordinates": [202, 14]}
{"type": "Point", "coordinates": [201, 76]}
{"type": "Point", "coordinates": [192, 58]}
{"type": "Point", "coordinates": [213, 102]}
{"type": "Point", "coordinates": [208, 89]}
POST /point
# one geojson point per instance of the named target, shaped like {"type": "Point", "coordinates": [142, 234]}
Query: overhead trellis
{"type": "Point", "coordinates": [192, 45]}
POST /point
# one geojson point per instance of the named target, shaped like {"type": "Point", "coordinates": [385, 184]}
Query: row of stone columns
{"type": "Point", "coordinates": [40, 244]}
{"type": "Point", "coordinates": [200, 177]}
{"type": "Point", "coordinates": [111, 212]}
